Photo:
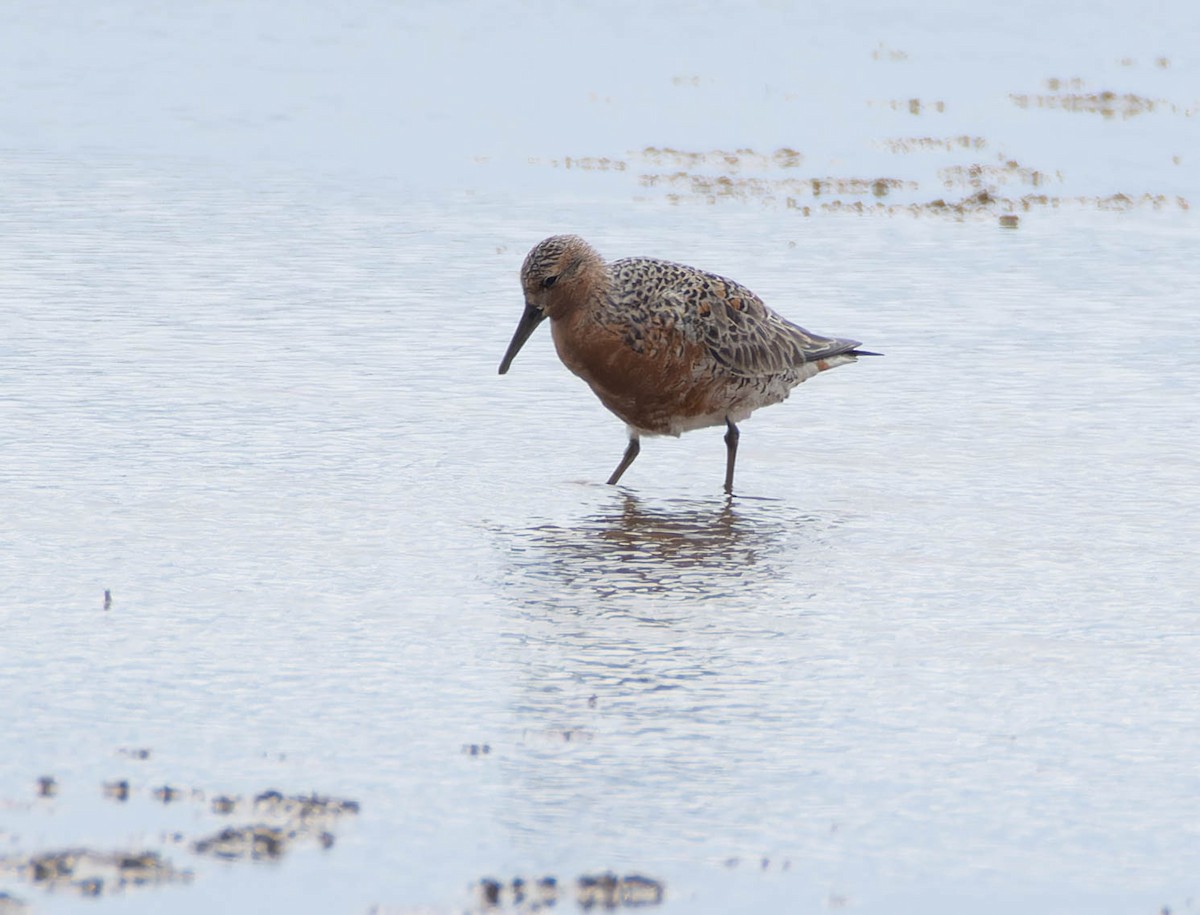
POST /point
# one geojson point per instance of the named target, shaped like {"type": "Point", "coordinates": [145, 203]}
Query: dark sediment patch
{"type": "Point", "coordinates": [265, 827]}
{"type": "Point", "coordinates": [605, 890]}
{"type": "Point", "coordinates": [88, 872]}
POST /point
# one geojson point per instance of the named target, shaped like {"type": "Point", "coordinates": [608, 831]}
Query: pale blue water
{"type": "Point", "coordinates": [257, 269]}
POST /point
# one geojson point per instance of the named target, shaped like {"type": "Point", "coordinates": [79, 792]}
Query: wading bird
{"type": "Point", "coordinates": [666, 347]}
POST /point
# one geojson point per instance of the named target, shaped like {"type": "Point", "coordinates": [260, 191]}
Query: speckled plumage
{"type": "Point", "coordinates": [666, 347]}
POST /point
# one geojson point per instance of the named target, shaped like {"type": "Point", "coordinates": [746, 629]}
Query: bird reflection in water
{"type": "Point", "coordinates": [680, 550]}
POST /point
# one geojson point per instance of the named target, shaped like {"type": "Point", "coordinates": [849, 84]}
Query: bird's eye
{"type": "Point", "coordinates": [549, 281]}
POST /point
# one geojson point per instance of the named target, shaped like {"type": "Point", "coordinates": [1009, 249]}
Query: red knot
{"type": "Point", "coordinates": [666, 347]}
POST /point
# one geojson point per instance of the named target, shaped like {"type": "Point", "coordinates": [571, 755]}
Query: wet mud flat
{"type": "Point", "coordinates": [944, 174]}
{"type": "Point", "coordinates": [262, 827]}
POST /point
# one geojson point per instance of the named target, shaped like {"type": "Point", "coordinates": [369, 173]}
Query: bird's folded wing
{"type": "Point", "coordinates": [744, 336]}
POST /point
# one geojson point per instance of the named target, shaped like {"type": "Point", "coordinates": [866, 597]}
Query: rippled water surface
{"type": "Point", "coordinates": [257, 270]}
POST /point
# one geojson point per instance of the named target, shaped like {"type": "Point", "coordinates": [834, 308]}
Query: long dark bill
{"type": "Point", "coordinates": [532, 317]}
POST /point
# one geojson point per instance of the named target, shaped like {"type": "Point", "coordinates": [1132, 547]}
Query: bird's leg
{"type": "Point", "coordinates": [731, 440]}
{"type": "Point", "coordinates": [630, 453]}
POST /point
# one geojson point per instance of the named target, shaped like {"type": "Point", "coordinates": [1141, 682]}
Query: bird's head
{"type": "Point", "coordinates": [553, 277]}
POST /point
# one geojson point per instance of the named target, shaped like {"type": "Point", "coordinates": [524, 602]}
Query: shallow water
{"type": "Point", "coordinates": [258, 271]}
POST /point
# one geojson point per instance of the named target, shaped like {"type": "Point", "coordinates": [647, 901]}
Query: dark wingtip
{"type": "Point", "coordinates": [839, 347]}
